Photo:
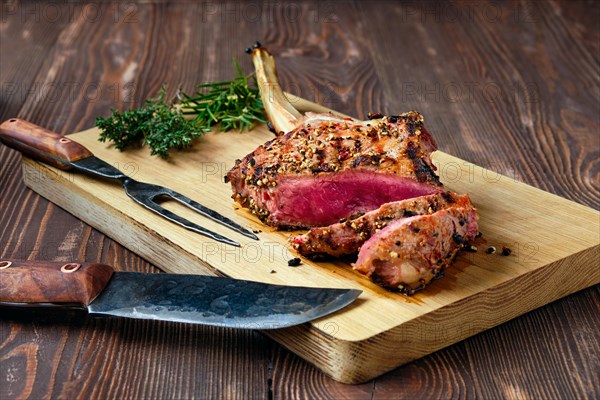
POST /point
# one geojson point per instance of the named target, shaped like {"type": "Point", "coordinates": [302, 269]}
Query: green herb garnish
{"type": "Point", "coordinates": [163, 126]}
{"type": "Point", "coordinates": [157, 123]}
{"type": "Point", "coordinates": [232, 104]}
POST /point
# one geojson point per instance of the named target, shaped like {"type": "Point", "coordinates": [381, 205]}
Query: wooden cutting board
{"type": "Point", "coordinates": [554, 243]}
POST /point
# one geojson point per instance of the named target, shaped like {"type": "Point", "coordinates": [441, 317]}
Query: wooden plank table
{"type": "Point", "coordinates": [498, 85]}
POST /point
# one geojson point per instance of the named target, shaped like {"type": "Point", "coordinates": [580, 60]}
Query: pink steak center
{"type": "Point", "coordinates": [325, 199]}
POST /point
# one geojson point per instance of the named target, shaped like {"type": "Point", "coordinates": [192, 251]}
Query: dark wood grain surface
{"type": "Point", "coordinates": [511, 86]}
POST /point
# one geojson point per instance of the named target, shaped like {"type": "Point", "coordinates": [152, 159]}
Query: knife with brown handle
{"type": "Point", "coordinates": [196, 299]}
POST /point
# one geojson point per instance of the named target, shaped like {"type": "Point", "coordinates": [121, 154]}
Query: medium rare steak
{"type": "Point", "coordinates": [329, 168]}
{"type": "Point", "coordinates": [347, 237]}
{"type": "Point", "coordinates": [409, 253]}
{"type": "Point", "coordinates": [323, 168]}
{"type": "Point", "coordinates": [364, 186]}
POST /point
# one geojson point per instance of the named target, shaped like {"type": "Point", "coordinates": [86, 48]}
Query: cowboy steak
{"type": "Point", "coordinates": [326, 167]}
{"type": "Point", "coordinates": [366, 187]}
{"type": "Point", "coordinates": [345, 238]}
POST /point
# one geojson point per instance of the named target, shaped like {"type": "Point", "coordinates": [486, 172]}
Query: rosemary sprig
{"type": "Point", "coordinates": [163, 126]}
{"type": "Point", "coordinates": [232, 104]}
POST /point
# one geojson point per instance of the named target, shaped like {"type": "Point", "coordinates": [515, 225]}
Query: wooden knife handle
{"type": "Point", "coordinates": [40, 143]}
{"type": "Point", "coordinates": [51, 282]}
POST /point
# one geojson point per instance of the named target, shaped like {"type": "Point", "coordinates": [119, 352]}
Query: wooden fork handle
{"type": "Point", "coordinates": [41, 144]}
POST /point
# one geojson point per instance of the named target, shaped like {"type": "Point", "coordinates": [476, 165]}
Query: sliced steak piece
{"type": "Point", "coordinates": [329, 168]}
{"type": "Point", "coordinates": [409, 253]}
{"type": "Point", "coordinates": [347, 237]}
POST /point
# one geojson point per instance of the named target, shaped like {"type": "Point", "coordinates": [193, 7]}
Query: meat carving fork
{"type": "Point", "coordinates": [61, 152]}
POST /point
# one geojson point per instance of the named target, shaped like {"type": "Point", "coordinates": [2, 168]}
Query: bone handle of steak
{"type": "Point", "coordinates": [40, 143]}
{"type": "Point", "coordinates": [51, 282]}
{"type": "Point", "coordinates": [280, 111]}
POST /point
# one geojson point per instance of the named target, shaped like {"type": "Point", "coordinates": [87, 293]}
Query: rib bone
{"type": "Point", "coordinates": [282, 114]}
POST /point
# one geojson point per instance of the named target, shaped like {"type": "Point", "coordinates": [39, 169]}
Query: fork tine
{"type": "Point", "coordinates": [151, 205]}
{"type": "Point", "coordinates": [146, 193]}
{"type": "Point", "coordinates": [207, 212]}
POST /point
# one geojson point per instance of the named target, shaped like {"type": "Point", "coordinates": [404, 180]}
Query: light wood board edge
{"type": "Point", "coordinates": [360, 361]}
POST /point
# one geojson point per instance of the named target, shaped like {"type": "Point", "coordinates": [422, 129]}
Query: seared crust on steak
{"type": "Point", "coordinates": [347, 237]}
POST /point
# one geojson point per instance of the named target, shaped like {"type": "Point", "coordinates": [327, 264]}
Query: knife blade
{"type": "Point", "coordinates": [195, 299]}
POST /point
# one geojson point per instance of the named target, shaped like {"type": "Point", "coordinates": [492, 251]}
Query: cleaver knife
{"type": "Point", "coordinates": [195, 299]}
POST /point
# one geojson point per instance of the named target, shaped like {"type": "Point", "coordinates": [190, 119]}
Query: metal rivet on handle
{"type": "Point", "coordinates": [64, 140]}
{"type": "Point", "coordinates": [5, 264]}
{"type": "Point", "coordinates": [70, 267]}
